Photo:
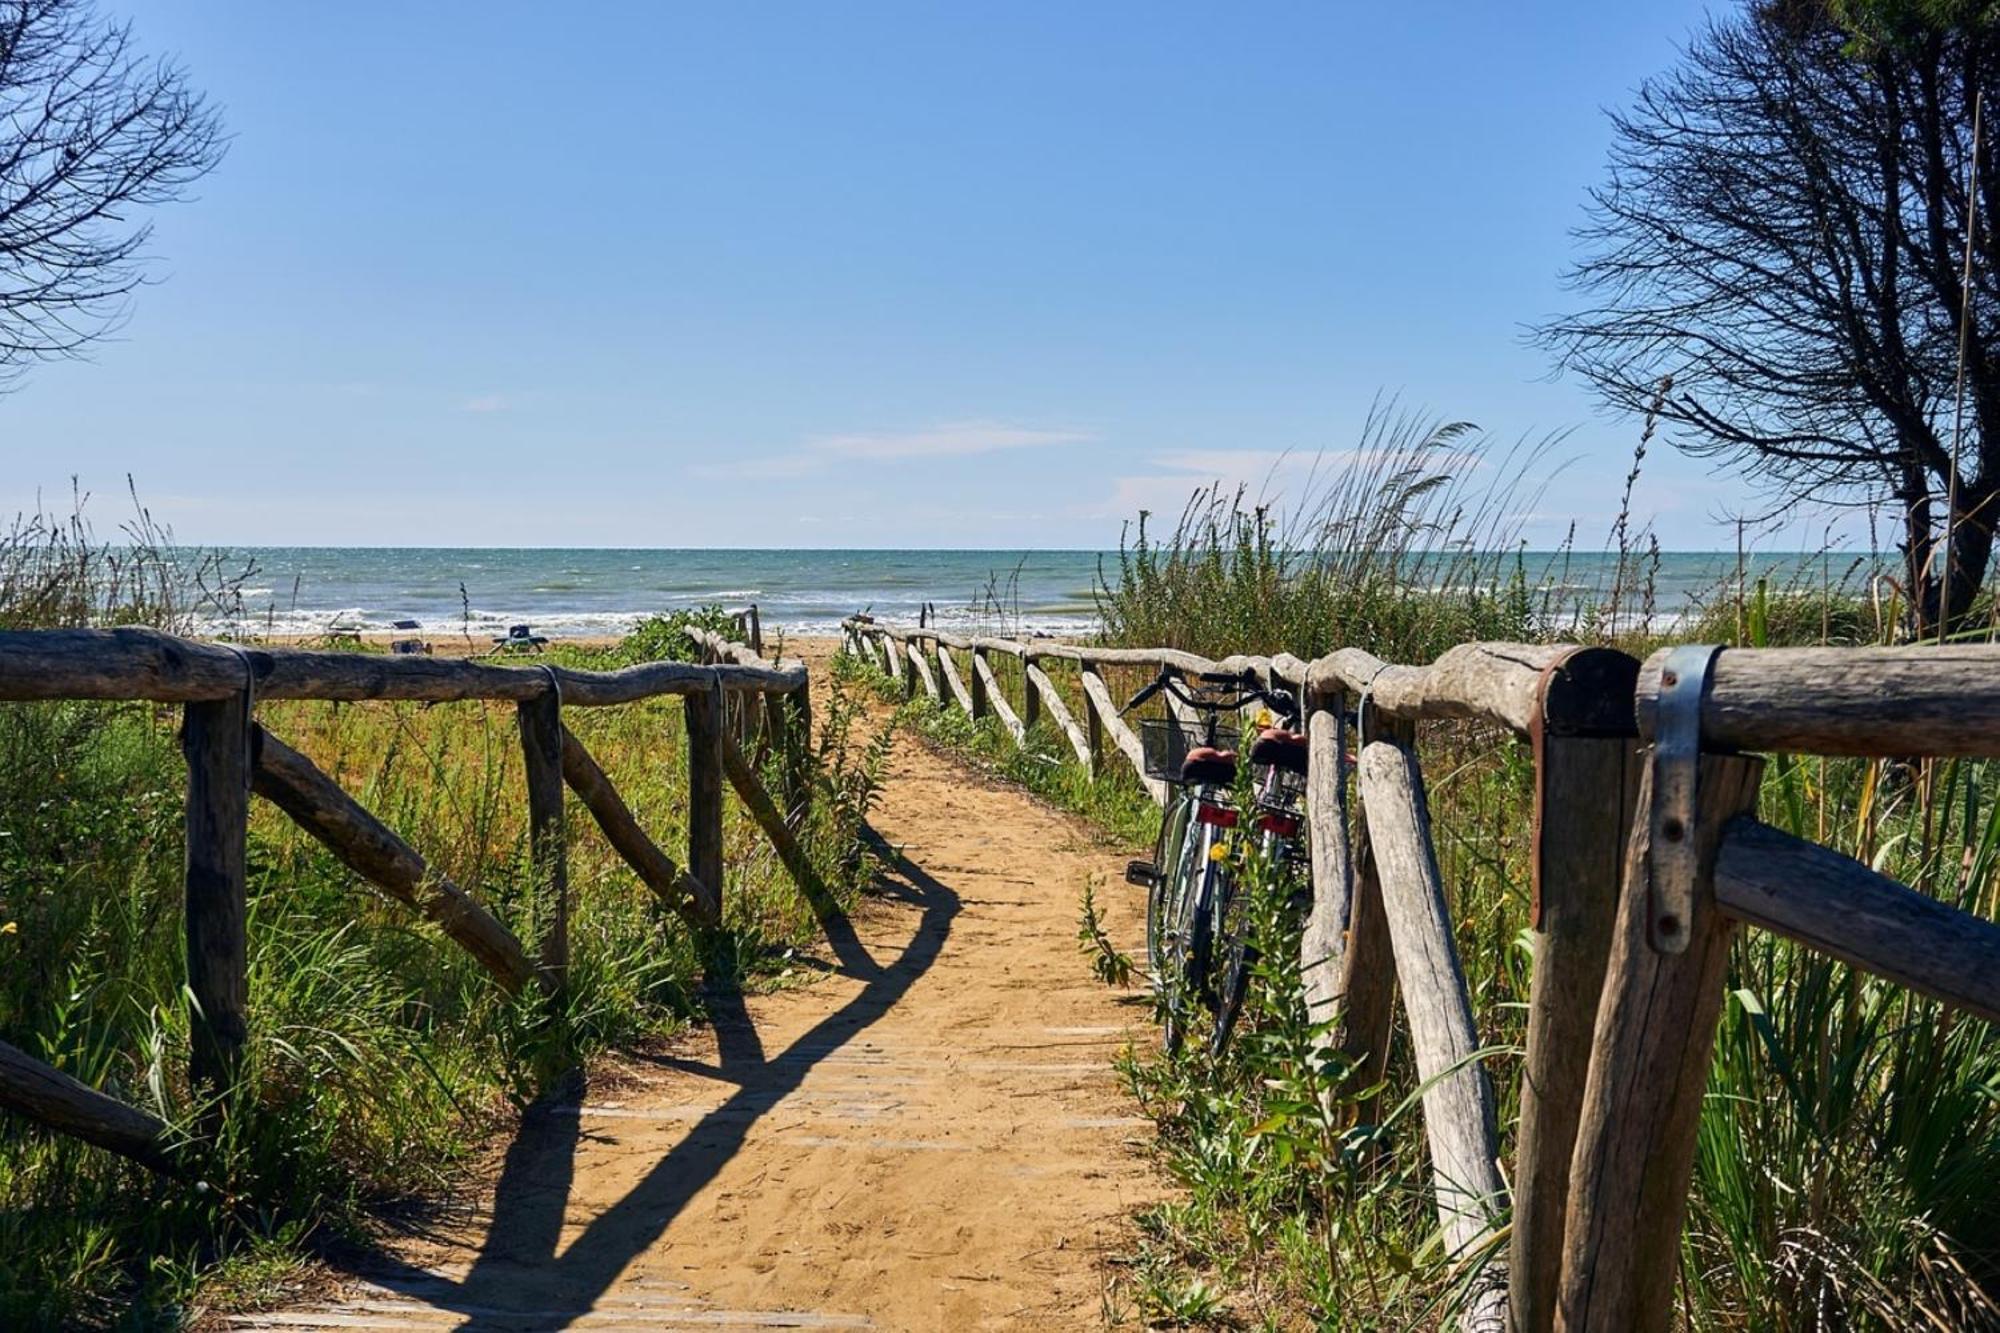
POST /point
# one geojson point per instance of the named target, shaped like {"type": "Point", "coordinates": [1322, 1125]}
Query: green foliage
{"type": "Point", "coordinates": [1848, 1173]}
{"type": "Point", "coordinates": [380, 1055]}
{"type": "Point", "coordinates": [664, 638]}
{"type": "Point", "coordinates": [1112, 967]}
{"type": "Point", "coordinates": [1404, 547]}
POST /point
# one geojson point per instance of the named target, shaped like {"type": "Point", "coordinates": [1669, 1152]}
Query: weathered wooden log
{"type": "Point", "coordinates": [976, 683]}
{"type": "Point", "coordinates": [1031, 699]}
{"type": "Point", "coordinates": [896, 669]}
{"type": "Point", "coordinates": [365, 845]}
{"type": "Point", "coordinates": [1494, 682]}
{"type": "Point", "coordinates": [1041, 687]}
{"type": "Point", "coordinates": [215, 737]}
{"type": "Point", "coordinates": [921, 661]}
{"type": "Point", "coordinates": [951, 676]}
{"type": "Point", "coordinates": [1367, 979]}
{"type": "Point", "coordinates": [1649, 1065]}
{"type": "Point", "coordinates": [1586, 788]}
{"type": "Point", "coordinates": [705, 741]}
{"type": "Point", "coordinates": [674, 887]}
{"type": "Point", "coordinates": [1093, 727]}
{"type": "Point", "coordinates": [149, 664]}
{"type": "Point", "coordinates": [1921, 700]}
{"type": "Point", "coordinates": [1812, 894]}
{"type": "Point", "coordinates": [44, 1094]}
{"type": "Point", "coordinates": [1106, 713]}
{"type": "Point", "coordinates": [548, 847]}
{"type": "Point", "coordinates": [1192, 663]}
{"type": "Point", "coordinates": [1589, 788]}
{"type": "Point", "coordinates": [1458, 1098]}
{"type": "Point", "coordinates": [1323, 940]}
{"type": "Point", "coordinates": [994, 698]}
{"type": "Point", "coordinates": [791, 854]}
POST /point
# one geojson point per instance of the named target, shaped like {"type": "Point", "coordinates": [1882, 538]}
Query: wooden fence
{"type": "Point", "coordinates": [1647, 858]}
{"type": "Point", "coordinates": [230, 756]}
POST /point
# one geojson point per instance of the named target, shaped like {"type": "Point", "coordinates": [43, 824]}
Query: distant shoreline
{"type": "Point", "coordinates": [598, 594]}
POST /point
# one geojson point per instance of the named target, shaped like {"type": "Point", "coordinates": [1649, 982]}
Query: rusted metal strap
{"type": "Point", "coordinates": [1671, 856]}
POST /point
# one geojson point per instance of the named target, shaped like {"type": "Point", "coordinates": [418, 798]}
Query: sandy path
{"type": "Point", "coordinates": [930, 1136]}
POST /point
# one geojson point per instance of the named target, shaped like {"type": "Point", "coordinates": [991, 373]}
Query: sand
{"type": "Point", "coordinates": [929, 1135]}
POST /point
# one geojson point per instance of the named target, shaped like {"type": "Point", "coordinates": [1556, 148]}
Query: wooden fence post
{"type": "Point", "coordinates": [920, 661]}
{"type": "Point", "coordinates": [1367, 980]}
{"type": "Point", "coordinates": [1042, 687]}
{"type": "Point", "coordinates": [980, 706]}
{"type": "Point", "coordinates": [1649, 1065]}
{"type": "Point", "coordinates": [1031, 698]}
{"type": "Point", "coordinates": [703, 711]}
{"type": "Point", "coordinates": [798, 751]}
{"type": "Point", "coordinates": [1586, 786]}
{"type": "Point", "coordinates": [1458, 1096]}
{"type": "Point", "coordinates": [953, 680]}
{"type": "Point", "coordinates": [1093, 725]}
{"type": "Point", "coordinates": [215, 737]}
{"type": "Point", "coordinates": [991, 697]}
{"type": "Point", "coordinates": [1345, 960]}
{"type": "Point", "coordinates": [540, 719]}
{"type": "Point", "coordinates": [365, 845]}
{"type": "Point", "coordinates": [1324, 937]}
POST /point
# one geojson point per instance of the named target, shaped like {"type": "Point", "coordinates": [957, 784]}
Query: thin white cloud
{"type": "Point", "coordinates": [952, 439]}
{"type": "Point", "coordinates": [485, 402]}
{"type": "Point", "coordinates": [1267, 476]}
{"type": "Point", "coordinates": [1230, 464]}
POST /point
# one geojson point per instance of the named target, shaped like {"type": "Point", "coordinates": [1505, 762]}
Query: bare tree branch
{"type": "Point", "coordinates": [90, 131]}
{"type": "Point", "coordinates": [1781, 231]}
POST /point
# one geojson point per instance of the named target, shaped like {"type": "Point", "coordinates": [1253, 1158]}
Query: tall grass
{"type": "Point", "coordinates": [1409, 542]}
{"type": "Point", "coordinates": [380, 1056]}
{"type": "Point", "coordinates": [1849, 1165]}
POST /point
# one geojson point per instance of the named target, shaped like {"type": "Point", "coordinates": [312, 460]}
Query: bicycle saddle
{"type": "Point", "coordinates": [1280, 749]}
{"type": "Point", "coordinates": [1205, 763]}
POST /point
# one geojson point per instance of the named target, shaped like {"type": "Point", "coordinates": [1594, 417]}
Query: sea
{"type": "Point", "coordinates": [593, 592]}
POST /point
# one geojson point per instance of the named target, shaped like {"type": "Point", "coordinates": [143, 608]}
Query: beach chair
{"type": "Point", "coordinates": [408, 644]}
{"type": "Point", "coordinates": [520, 639]}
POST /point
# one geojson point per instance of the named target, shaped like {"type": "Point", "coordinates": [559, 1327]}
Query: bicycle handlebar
{"type": "Point", "coordinates": [1245, 683]}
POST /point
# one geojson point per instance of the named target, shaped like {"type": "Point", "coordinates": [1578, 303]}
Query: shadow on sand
{"type": "Point", "coordinates": [518, 1273]}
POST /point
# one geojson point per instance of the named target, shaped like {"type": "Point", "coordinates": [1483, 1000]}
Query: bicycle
{"type": "Point", "coordinates": [1191, 902]}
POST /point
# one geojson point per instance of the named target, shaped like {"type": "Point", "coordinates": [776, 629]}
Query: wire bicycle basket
{"type": "Point", "coordinates": [1164, 743]}
{"type": "Point", "coordinates": [1286, 790]}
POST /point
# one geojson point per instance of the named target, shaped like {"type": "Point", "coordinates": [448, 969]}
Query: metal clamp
{"type": "Point", "coordinates": [1364, 714]}
{"type": "Point", "coordinates": [249, 708]}
{"type": "Point", "coordinates": [1671, 856]}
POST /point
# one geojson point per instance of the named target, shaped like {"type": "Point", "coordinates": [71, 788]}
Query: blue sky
{"type": "Point", "coordinates": [845, 274]}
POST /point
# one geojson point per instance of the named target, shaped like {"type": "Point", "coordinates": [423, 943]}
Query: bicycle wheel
{"type": "Point", "coordinates": [1169, 850]}
{"type": "Point", "coordinates": [1238, 960]}
{"type": "Point", "coordinates": [1189, 936]}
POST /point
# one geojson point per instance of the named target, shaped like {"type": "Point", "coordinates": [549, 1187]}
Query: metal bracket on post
{"type": "Point", "coordinates": [1670, 851]}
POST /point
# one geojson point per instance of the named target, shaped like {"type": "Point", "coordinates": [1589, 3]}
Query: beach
{"type": "Point", "coordinates": [469, 596]}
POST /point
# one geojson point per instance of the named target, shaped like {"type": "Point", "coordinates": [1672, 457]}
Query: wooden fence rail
{"type": "Point", "coordinates": [230, 756]}
{"type": "Point", "coordinates": [1638, 888]}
